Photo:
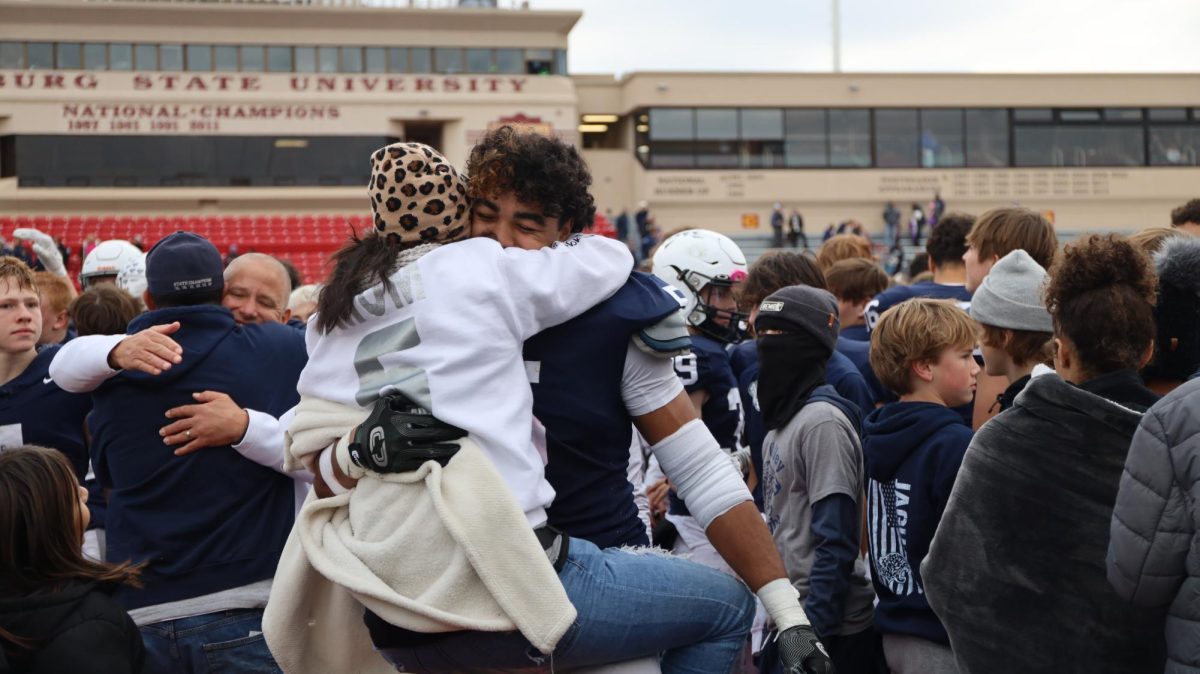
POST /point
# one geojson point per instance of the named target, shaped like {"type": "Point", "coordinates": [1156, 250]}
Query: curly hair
{"type": "Point", "coordinates": [775, 270]}
{"type": "Point", "coordinates": [1101, 296]}
{"type": "Point", "coordinates": [538, 170]}
{"type": "Point", "coordinates": [1187, 213]}
{"type": "Point", "coordinates": [948, 241]}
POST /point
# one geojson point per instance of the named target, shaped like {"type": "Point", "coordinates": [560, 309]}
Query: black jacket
{"type": "Point", "coordinates": [78, 629]}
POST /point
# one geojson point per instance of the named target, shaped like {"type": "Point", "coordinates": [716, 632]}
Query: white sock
{"type": "Point", "coordinates": [782, 602]}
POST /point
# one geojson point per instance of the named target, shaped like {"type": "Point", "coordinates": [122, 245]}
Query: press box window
{"type": "Point", "coordinates": [12, 55]}
{"type": "Point", "coordinates": [225, 58]}
{"type": "Point", "coordinates": [145, 57]}
{"type": "Point", "coordinates": [376, 60]}
{"type": "Point", "coordinates": [420, 60]}
{"type": "Point", "coordinates": [252, 58]}
{"type": "Point", "coordinates": [306, 59]}
{"type": "Point", "coordinates": [170, 57]}
{"type": "Point", "coordinates": [120, 56]}
{"type": "Point", "coordinates": [40, 55]}
{"type": "Point", "coordinates": [70, 56]}
{"type": "Point", "coordinates": [199, 57]}
{"type": "Point", "coordinates": [279, 59]}
{"type": "Point", "coordinates": [95, 56]}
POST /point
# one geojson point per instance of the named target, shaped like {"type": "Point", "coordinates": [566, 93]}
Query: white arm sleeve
{"type": "Point", "coordinates": [555, 284]}
{"type": "Point", "coordinates": [648, 382]}
{"type": "Point", "coordinates": [702, 474]}
{"type": "Point", "coordinates": [81, 365]}
{"type": "Point", "coordinates": [263, 442]}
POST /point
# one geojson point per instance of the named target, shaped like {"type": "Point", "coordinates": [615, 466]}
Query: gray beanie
{"type": "Point", "coordinates": [801, 308]}
{"type": "Point", "coordinates": [1011, 295]}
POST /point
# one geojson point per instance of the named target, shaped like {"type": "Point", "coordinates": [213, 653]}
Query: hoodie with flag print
{"type": "Point", "coordinates": [912, 452]}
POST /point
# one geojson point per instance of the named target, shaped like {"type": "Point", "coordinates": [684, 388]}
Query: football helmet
{"type": "Point", "coordinates": [694, 259]}
{"type": "Point", "coordinates": [108, 258]}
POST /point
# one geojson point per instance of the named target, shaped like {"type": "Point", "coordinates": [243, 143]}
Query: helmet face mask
{"type": "Point", "coordinates": [696, 259]}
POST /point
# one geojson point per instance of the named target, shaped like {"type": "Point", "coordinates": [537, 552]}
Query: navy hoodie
{"type": "Point", "coordinates": [913, 451]}
{"type": "Point", "coordinates": [212, 520]}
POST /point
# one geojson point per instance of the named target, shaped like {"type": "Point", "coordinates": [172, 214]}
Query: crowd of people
{"type": "Point", "coordinates": [487, 442]}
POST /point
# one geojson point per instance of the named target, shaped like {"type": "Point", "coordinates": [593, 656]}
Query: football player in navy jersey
{"type": "Point", "coordinates": [703, 267]}
{"type": "Point", "coordinates": [33, 409]}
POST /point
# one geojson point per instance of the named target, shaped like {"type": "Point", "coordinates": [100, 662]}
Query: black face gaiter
{"type": "Point", "coordinates": [790, 366]}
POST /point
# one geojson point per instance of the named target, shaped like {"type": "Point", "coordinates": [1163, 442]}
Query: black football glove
{"type": "Point", "coordinates": [800, 652]}
{"type": "Point", "coordinates": [398, 437]}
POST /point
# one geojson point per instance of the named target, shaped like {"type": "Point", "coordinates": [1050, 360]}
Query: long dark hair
{"type": "Point", "coordinates": [40, 530]}
{"type": "Point", "coordinates": [358, 265]}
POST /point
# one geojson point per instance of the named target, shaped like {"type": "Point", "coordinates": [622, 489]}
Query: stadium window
{"type": "Point", "coordinates": [672, 124]}
{"type": "Point", "coordinates": [327, 59]}
{"type": "Point", "coordinates": [479, 61]}
{"type": "Point", "coordinates": [804, 140]}
{"type": "Point", "coordinates": [420, 60]}
{"type": "Point", "coordinates": [987, 137]}
{"type": "Point", "coordinates": [40, 55]}
{"type": "Point", "coordinates": [1033, 115]}
{"type": "Point", "coordinates": [252, 58]}
{"type": "Point", "coordinates": [716, 154]}
{"type": "Point", "coordinates": [1174, 145]}
{"type": "Point", "coordinates": [225, 58]}
{"type": "Point", "coordinates": [397, 60]}
{"type": "Point", "coordinates": [352, 59]}
{"type": "Point", "coordinates": [145, 57]}
{"type": "Point", "coordinates": [510, 61]}
{"type": "Point", "coordinates": [448, 60]}
{"type": "Point", "coordinates": [170, 57]}
{"type": "Point", "coordinates": [120, 56]}
{"type": "Point", "coordinates": [761, 131]}
{"type": "Point", "coordinates": [70, 56]}
{"type": "Point", "coordinates": [1168, 114]}
{"type": "Point", "coordinates": [306, 59]}
{"type": "Point", "coordinates": [560, 62]}
{"type": "Point", "coordinates": [539, 61]}
{"type": "Point", "coordinates": [850, 138]}
{"type": "Point", "coordinates": [1079, 145]}
{"type": "Point", "coordinates": [279, 59]}
{"type": "Point", "coordinates": [1079, 115]}
{"type": "Point", "coordinates": [199, 57]}
{"type": "Point", "coordinates": [95, 56]}
{"type": "Point", "coordinates": [716, 124]}
{"type": "Point", "coordinates": [942, 138]}
{"type": "Point", "coordinates": [1122, 114]}
{"type": "Point", "coordinates": [896, 138]}
{"type": "Point", "coordinates": [672, 154]}
{"type": "Point", "coordinates": [376, 60]}
{"type": "Point", "coordinates": [12, 55]}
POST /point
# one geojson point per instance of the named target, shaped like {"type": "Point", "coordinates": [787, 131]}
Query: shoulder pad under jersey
{"type": "Point", "coordinates": [665, 339]}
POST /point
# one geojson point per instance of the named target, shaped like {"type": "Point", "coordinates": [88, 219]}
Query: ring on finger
{"type": "Point", "coordinates": [188, 434]}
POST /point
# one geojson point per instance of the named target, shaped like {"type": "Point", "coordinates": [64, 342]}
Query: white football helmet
{"type": "Point", "coordinates": [693, 259]}
{"type": "Point", "coordinates": [132, 277]}
{"type": "Point", "coordinates": [108, 258]}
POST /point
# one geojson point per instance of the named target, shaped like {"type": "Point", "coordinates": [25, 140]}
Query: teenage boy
{"type": "Point", "coordinates": [997, 233]}
{"type": "Point", "coordinates": [813, 473]}
{"type": "Point", "coordinates": [946, 246]}
{"type": "Point", "coordinates": [855, 283]}
{"type": "Point", "coordinates": [1014, 325]}
{"type": "Point", "coordinates": [922, 351]}
{"type": "Point", "coordinates": [55, 293]}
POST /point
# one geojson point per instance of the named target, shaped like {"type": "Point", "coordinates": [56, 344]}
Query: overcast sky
{"type": "Point", "coordinates": [619, 36]}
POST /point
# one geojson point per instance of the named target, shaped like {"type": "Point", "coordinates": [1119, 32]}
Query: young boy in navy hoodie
{"type": "Point", "coordinates": [922, 351]}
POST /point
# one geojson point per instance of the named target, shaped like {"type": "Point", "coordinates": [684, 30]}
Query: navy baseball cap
{"type": "Point", "coordinates": [183, 263]}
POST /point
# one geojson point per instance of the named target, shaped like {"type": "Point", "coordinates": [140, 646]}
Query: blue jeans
{"type": "Point", "coordinates": [226, 641]}
{"type": "Point", "coordinates": [630, 605]}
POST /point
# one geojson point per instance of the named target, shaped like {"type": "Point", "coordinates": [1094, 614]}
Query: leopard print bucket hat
{"type": "Point", "coordinates": [416, 195]}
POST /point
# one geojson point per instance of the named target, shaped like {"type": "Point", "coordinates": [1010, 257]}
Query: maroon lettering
{"type": "Point", "coordinates": [474, 85]}
{"type": "Point", "coordinates": [518, 83]}
{"type": "Point", "coordinates": [141, 82]}
{"type": "Point", "coordinates": [493, 84]}
{"type": "Point", "coordinates": [451, 84]}
{"type": "Point", "coordinates": [196, 83]}
{"type": "Point", "coordinates": [424, 84]}
{"type": "Point", "coordinates": [85, 81]}
{"type": "Point", "coordinates": [53, 82]}
{"type": "Point", "coordinates": [251, 83]}
{"type": "Point", "coordinates": [169, 80]}
{"type": "Point", "coordinates": [222, 81]}
{"type": "Point", "coordinates": [369, 83]}
{"type": "Point", "coordinates": [333, 113]}
{"type": "Point", "coordinates": [326, 84]}
{"type": "Point", "coordinates": [297, 82]}
{"type": "Point", "coordinates": [395, 84]}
